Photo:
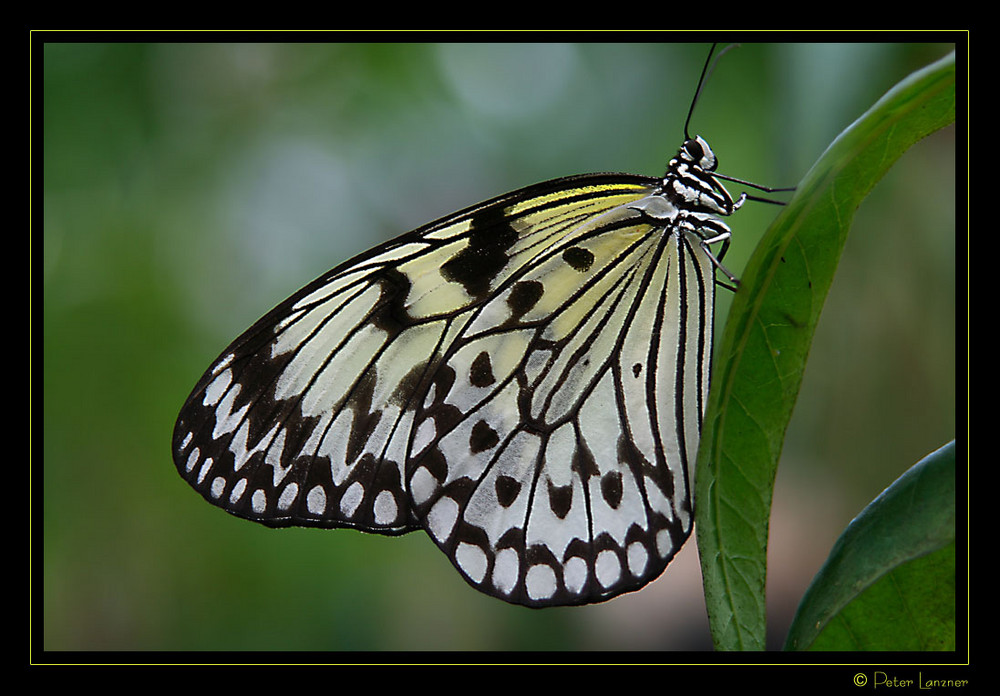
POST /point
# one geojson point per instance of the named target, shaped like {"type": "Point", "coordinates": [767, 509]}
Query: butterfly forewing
{"type": "Point", "coordinates": [307, 419]}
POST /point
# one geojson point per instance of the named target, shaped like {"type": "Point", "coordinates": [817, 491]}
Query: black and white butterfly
{"type": "Point", "coordinates": [524, 380]}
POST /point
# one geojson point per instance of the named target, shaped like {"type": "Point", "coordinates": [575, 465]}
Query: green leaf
{"type": "Point", "coordinates": [889, 582]}
{"type": "Point", "coordinates": [761, 358]}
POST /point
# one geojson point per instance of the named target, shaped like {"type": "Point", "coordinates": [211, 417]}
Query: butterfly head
{"type": "Point", "coordinates": [696, 151]}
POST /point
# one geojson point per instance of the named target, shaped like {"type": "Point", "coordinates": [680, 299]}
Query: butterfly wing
{"type": "Point", "coordinates": [551, 454]}
{"type": "Point", "coordinates": [308, 417]}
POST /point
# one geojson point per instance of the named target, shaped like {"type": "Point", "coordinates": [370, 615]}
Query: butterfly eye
{"type": "Point", "coordinates": [694, 150]}
{"type": "Point", "coordinates": [705, 158]}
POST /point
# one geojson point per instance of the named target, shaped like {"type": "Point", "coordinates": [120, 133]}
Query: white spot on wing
{"type": "Point", "coordinates": [238, 491]}
{"type": "Point", "coordinates": [540, 582]}
{"type": "Point", "coordinates": [608, 568]}
{"type": "Point", "coordinates": [258, 502]}
{"type": "Point", "coordinates": [218, 387]}
{"type": "Point", "coordinates": [218, 486]}
{"type": "Point", "coordinates": [506, 566]}
{"type": "Point", "coordinates": [192, 460]}
{"type": "Point", "coordinates": [575, 574]}
{"type": "Point", "coordinates": [351, 499]}
{"type": "Point", "coordinates": [422, 485]}
{"type": "Point", "coordinates": [316, 501]}
{"type": "Point", "coordinates": [424, 436]}
{"type": "Point", "coordinates": [205, 468]}
{"type": "Point", "coordinates": [637, 558]}
{"type": "Point", "coordinates": [386, 509]}
{"type": "Point", "coordinates": [223, 364]}
{"type": "Point", "coordinates": [472, 560]}
{"type": "Point", "coordinates": [441, 518]}
{"type": "Point", "coordinates": [664, 544]}
{"type": "Point", "coordinates": [287, 496]}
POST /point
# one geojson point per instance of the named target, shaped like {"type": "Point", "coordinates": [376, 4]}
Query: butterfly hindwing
{"type": "Point", "coordinates": [550, 458]}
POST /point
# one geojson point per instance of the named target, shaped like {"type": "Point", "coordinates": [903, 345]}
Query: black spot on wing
{"type": "Point", "coordinates": [482, 438]}
{"type": "Point", "coordinates": [583, 463]}
{"type": "Point", "coordinates": [560, 499]}
{"type": "Point", "coordinates": [523, 297]}
{"type": "Point", "coordinates": [507, 489]}
{"type": "Point", "coordinates": [475, 267]}
{"type": "Point", "coordinates": [611, 489]}
{"type": "Point", "coordinates": [579, 258]}
{"type": "Point", "coordinates": [481, 372]}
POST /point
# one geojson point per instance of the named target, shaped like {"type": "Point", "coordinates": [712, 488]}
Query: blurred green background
{"type": "Point", "coordinates": [188, 188]}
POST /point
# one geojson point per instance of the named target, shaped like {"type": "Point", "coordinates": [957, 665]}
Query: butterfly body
{"type": "Point", "coordinates": [524, 379]}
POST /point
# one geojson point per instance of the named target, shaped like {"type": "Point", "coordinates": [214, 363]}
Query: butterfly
{"type": "Point", "coordinates": [524, 380]}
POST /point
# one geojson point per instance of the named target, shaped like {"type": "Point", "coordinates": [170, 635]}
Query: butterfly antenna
{"type": "Point", "coordinates": [705, 72]}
